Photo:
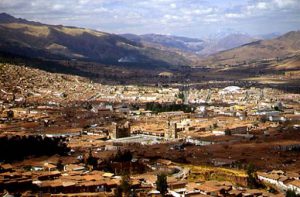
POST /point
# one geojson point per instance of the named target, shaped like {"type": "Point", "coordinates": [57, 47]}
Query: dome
{"type": "Point", "coordinates": [230, 89]}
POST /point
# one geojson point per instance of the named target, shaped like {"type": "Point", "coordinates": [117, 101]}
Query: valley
{"type": "Point", "coordinates": [89, 113]}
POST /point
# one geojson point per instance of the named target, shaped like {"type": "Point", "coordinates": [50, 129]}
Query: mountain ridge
{"type": "Point", "coordinates": [202, 47]}
{"type": "Point", "coordinates": [285, 45]}
{"type": "Point", "coordinates": [36, 39]}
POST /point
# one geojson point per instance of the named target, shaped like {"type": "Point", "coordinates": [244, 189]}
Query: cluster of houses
{"type": "Point", "coordinates": [282, 180]}
{"type": "Point", "coordinates": [77, 178]}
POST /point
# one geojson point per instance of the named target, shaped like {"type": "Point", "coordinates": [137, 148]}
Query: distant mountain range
{"type": "Point", "coordinates": [203, 47]}
{"type": "Point", "coordinates": [280, 47]}
{"type": "Point", "coordinates": [176, 42]}
{"type": "Point", "coordinates": [228, 42]}
{"type": "Point", "coordinates": [56, 42]}
{"type": "Point", "coordinates": [268, 36]}
{"type": "Point", "coordinates": [33, 39]}
{"type": "Point", "coordinates": [222, 33]}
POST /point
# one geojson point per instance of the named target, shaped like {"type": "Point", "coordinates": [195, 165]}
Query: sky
{"type": "Point", "coordinates": [191, 18]}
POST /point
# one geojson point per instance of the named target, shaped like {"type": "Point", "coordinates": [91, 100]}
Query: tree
{"type": "Point", "coordinates": [263, 119]}
{"type": "Point", "coordinates": [124, 187]}
{"type": "Point", "coordinates": [276, 108]}
{"type": "Point", "coordinates": [181, 95]}
{"type": "Point", "coordinates": [10, 114]}
{"type": "Point", "coordinates": [251, 176]}
{"type": "Point", "coordinates": [60, 166]}
{"type": "Point", "coordinates": [161, 184]}
{"type": "Point", "coordinates": [215, 125]}
{"type": "Point", "coordinates": [91, 160]}
{"type": "Point", "coordinates": [125, 184]}
{"type": "Point", "coordinates": [291, 193]}
{"type": "Point", "coordinates": [124, 156]}
{"type": "Point", "coordinates": [227, 131]}
{"type": "Point", "coordinates": [250, 169]}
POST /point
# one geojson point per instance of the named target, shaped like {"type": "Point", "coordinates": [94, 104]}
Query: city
{"type": "Point", "coordinates": [89, 113]}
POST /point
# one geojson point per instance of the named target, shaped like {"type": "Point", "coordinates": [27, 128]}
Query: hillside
{"type": "Point", "coordinates": [32, 39]}
{"type": "Point", "coordinates": [177, 42]}
{"type": "Point", "coordinates": [34, 85]}
{"type": "Point", "coordinates": [225, 43]}
{"type": "Point", "coordinates": [192, 45]}
{"type": "Point", "coordinates": [285, 45]}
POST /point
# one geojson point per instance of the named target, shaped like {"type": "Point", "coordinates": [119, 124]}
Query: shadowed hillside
{"type": "Point", "coordinates": [32, 39]}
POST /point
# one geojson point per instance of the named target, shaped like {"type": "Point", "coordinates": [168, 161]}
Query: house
{"type": "Point", "coordinates": [288, 147]}
{"type": "Point", "coordinates": [108, 175]}
{"type": "Point", "coordinates": [48, 175]}
{"type": "Point", "coordinates": [252, 193]}
{"type": "Point", "coordinates": [37, 168]}
{"type": "Point", "coordinates": [5, 168]}
{"type": "Point", "coordinates": [239, 129]}
{"type": "Point", "coordinates": [218, 132]}
{"type": "Point", "coordinates": [235, 193]}
{"type": "Point", "coordinates": [198, 142]}
{"type": "Point", "coordinates": [280, 180]}
{"type": "Point", "coordinates": [176, 185]}
{"type": "Point", "coordinates": [154, 193]}
{"type": "Point", "coordinates": [277, 118]}
{"type": "Point", "coordinates": [164, 162]}
{"type": "Point", "coordinates": [49, 167]}
{"type": "Point", "coordinates": [213, 188]}
{"type": "Point", "coordinates": [74, 167]}
{"type": "Point", "coordinates": [122, 109]}
{"type": "Point", "coordinates": [271, 178]}
{"type": "Point", "coordinates": [293, 175]}
{"type": "Point", "coordinates": [195, 194]}
{"type": "Point", "coordinates": [218, 162]}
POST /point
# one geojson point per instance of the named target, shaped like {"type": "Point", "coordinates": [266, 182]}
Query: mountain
{"type": "Point", "coordinates": [222, 33]}
{"type": "Point", "coordinates": [192, 45]}
{"type": "Point", "coordinates": [228, 42]}
{"type": "Point", "coordinates": [280, 47]}
{"type": "Point", "coordinates": [177, 42]}
{"type": "Point", "coordinates": [33, 39]}
{"type": "Point", "coordinates": [268, 36]}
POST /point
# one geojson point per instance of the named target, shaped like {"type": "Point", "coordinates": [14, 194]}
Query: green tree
{"type": "Point", "coordinates": [291, 193]}
{"type": "Point", "coordinates": [227, 131]}
{"type": "Point", "coordinates": [10, 114]}
{"type": "Point", "coordinates": [276, 108]}
{"type": "Point", "coordinates": [181, 95]}
{"type": "Point", "coordinates": [91, 160]}
{"type": "Point", "coordinates": [252, 182]}
{"type": "Point", "coordinates": [161, 184]}
{"type": "Point", "coordinates": [215, 125]}
{"type": "Point", "coordinates": [125, 184]}
{"type": "Point", "coordinates": [60, 166]}
{"type": "Point", "coordinates": [124, 156]}
{"type": "Point", "coordinates": [250, 169]}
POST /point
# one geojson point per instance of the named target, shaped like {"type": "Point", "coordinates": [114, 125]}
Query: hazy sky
{"type": "Point", "coordinates": [193, 18]}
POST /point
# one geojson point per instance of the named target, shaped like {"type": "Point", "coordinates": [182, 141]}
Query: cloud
{"type": "Point", "coordinates": [286, 3]}
{"type": "Point", "coordinates": [262, 5]}
{"type": "Point", "coordinates": [234, 15]}
{"type": "Point", "coordinates": [173, 5]}
{"type": "Point", "coordinates": [264, 8]}
{"type": "Point", "coordinates": [188, 17]}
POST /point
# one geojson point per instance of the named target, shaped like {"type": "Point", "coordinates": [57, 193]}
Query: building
{"type": "Point", "coordinates": [120, 131]}
{"type": "Point", "coordinates": [172, 130]}
{"type": "Point", "coordinates": [283, 181]}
